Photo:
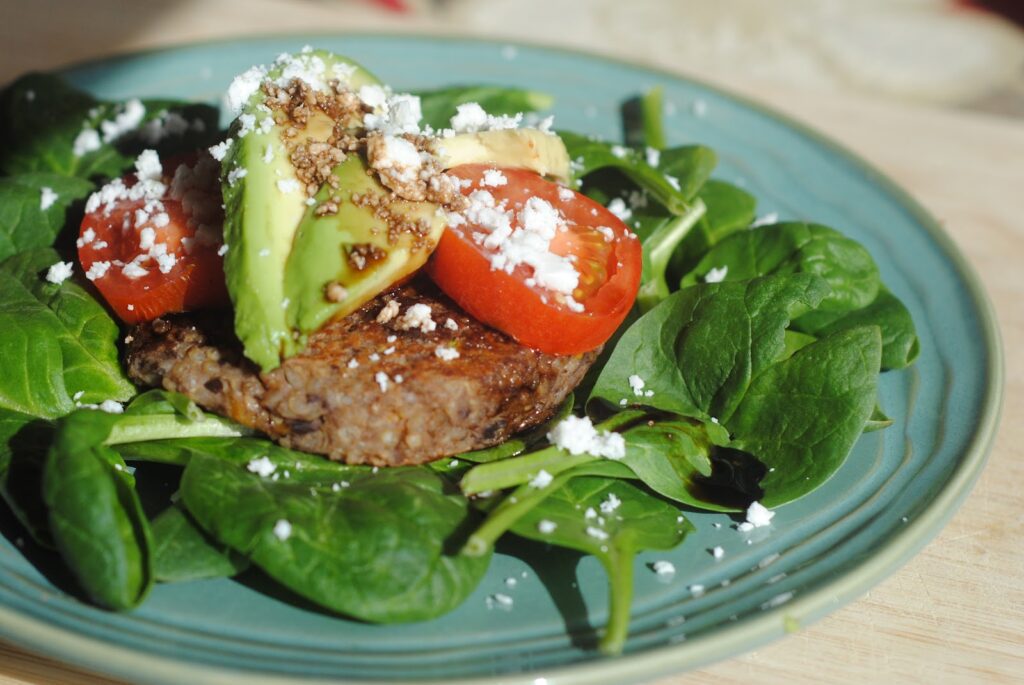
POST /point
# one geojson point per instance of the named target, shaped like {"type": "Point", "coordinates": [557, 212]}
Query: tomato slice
{"type": "Point", "coordinates": [505, 280]}
{"type": "Point", "coordinates": [155, 252]}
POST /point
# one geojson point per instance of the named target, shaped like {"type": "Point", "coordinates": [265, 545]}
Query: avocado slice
{"type": "Point", "coordinates": [524, 148]}
{"type": "Point", "coordinates": [342, 260]}
{"type": "Point", "coordinates": [263, 209]}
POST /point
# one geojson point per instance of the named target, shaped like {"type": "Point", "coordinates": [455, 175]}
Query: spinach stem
{"type": "Point", "coordinates": [620, 596]}
{"type": "Point", "coordinates": [651, 108]}
{"type": "Point", "coordinates": [658, 250]}
{"type": "Point", "coordinates": [137, 428]}
{"type": "Point", "coordinates": [506, 514]}
{"type": "Point", "coordinates": [507, 473]}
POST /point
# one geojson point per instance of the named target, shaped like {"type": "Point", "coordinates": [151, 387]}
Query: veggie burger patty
{"type": "Point", "coordinates": [406, 379]}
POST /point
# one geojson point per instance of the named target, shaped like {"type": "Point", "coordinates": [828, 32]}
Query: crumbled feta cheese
{"type": "Point", "coordinates": [46, 198]}
{"type": "Point", "coordinates": [597, 533]}
{"type": "Point", "coordinates": [578, 436]}
{"type": "Point", "coordinates": [471, 118]}
{"type": "Point", "coordinates": [268, 154]}
{"type": "Point", "coordinates": [566, 194]}
{"type": "Point", "coordinates": [133, 270]}
{"type": "Point", "coordinates": [619, 209]}
{"type": "Point", "coordinates": [663, 568]}
{"type": "Point", "coordinates": [59, 272]}
{"type": "Point", "coordinates": [653, 156]}
{"type": "Point", "coordinates": [446, 353]}
{"type": "Point", "coordinates": [111, 407]}
{"type": "Point", "coordinates": [86, 141]}
{"type": "Point", "coordinates": [697, 589]}
{"type": "Point", "coordinates": [261, 466]}
{"type": "Point", "coordinates": [546, 527]}
{"type": "Point", "coordinates": [97, 270]}
{"type": "Point", "coordinates": [382, 380]}
{"type": "Point", "coordinates": [500, 601]}
{"type": "Point", "coordinates": [494, 177]}
{"type": "Point", "coordinates": [389, 311]}
{"type": "Point", "coordinates": [637, 384]}
{"type": "Point", "coordinates": [716, 274]}
{"type": "Point", "coordinates": [610, 503]}
{"type": "Point", "coordinates": [241, 172]}
{"type": "Point", "coordinates": [417, 316]}
{"type": "Point", "coordinates": [288, 185]}
{"type": "Point", "coordinates": [758, 515]}
{"type": "Point", "coordinates": [219, 150]}
{"type": "Point", "coordinates": [353, 363]}
{"type": "Point", "coordinates": [222, 250]}
{"type": "Point", "coordinates": [619, 151]}
{"type": "Point", "coordinates": [282, 530]}
{"type": "Point", "coordinates": [450, 324]}
{"type": "Point", "coordinates": [243, 87]}
{"type": "Point", "coordinates": [717, 552]}
{"type": "Point", "coordinates": [541, 480]}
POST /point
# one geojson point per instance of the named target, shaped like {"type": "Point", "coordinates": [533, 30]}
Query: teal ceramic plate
{"type": "Point", "coordinates": [894, 493]}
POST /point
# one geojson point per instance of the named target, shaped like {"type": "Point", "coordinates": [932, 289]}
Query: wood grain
{"type": "Point", "coordinates": [955, 613]}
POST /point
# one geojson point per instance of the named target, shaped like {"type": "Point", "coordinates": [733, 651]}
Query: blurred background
{"type": "Point", "coordinates": [945, 53]}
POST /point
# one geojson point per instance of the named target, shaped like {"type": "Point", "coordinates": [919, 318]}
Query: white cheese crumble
{"type": "Point", "coordinates": [619, 151]}
{"type": "Point", "coordinates": [610, 503]}
{"type": "Point", "coordinates": [597, 533]}
{"type": "Point", "coordinates": [219, 150]}
{"type": "Point", "coordinates": [446, 353]}
{"type": "Point", "coordinates": [716, 274]}
{"type": "Point", "coordinates": [393, 114]}
{"type": "Point", "coordinates": [546, 527]}
{"type": "Point", "coordinates": [471, 118]}
{"type": "Point", "coordinates": [578, 436]}
{"type": "Point", "coordinates": [493, 177]}
{"type": "Point", "coordinates": [663, 568]}
{"type": "Point", "coordinates": [59, 272]}
{"type": "Point", "coordinates": [637, 385]}
{"type": "Point", "coordinates": [417, 316]}
{"type": "Point", "coordinates": [450, 324]}
{"type": "Point", "coordinates": [111, 407]}
{"type": "Point", "coordinates": [46, 198]}
{"type": "Point", "coordinates": [697, 589]}
{"type": "Point", "coordinates": [499, 600]}
{"type": "Point", "coordinates": [566, 194]}
{"type": "Point", "coordinates": [97, 270]}
{"type": "Point", "coordinates": [717, 552]}
{"type": "Point", "coordinates": [382, 380]}
{"type": "Point", "coordinates": [619, 209]}
{"type": "Point", "coordinates": [758, 515]}
{"type": "Point", "coordinates": [653, 156]}
{"type": "Point", "coordinates": [282, 530]}
{"type": "Point", "coordinates": [541, 480]}
{"type": "Point", "coordinates": [240, 172]}
{"type": "Point", "coordinates": [85, 142]}
{"type": "Point", "coordinates": [287, 185]}
{"type": "Point", "coordinates": [261, 466]}
{"type": "Point", "coordinates": [388, 311]}
{"type": "Point", "coordinates": [353, 363]}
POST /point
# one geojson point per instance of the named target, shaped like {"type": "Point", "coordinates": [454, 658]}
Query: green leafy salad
{"type": "Point", "coordinates": [739, 380]}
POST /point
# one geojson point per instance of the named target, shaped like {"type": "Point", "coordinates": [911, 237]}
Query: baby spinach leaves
{"type": "Point", "coordinates": [380, 548]}
{"type": "Point", "coordinates": [613, 520]}
{"type": "Point", "coordinates": [41, 116]}
{"type": "Point", "coordinates": [24, 223]}
{"type": "Point", "coordinates": [182, 551]}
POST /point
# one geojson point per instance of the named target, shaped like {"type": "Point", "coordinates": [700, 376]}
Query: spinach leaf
{"type": "Point", "coordinates": [96, 518]}
{"type": "Point", "coordinates": [697, 351]}
{"type": "Point", "coordinates": [378, 550]}
{"type": "Point", "coordinates": [729, 209]}
{"type": "Point", "coordinates": [41, 116]}
{"type": "Point", "coordinates": [900, 345]}
{"type": "Point", "coordinates": [625, 520]}
{"type": "Point", "coordinates": [797, 247]}
{"type": "Point", "coordinates": [802, 416]}
{"type": "Point", "coordinates": [439, 106]}
{"type": "Point", "coordinates": [673, 184]}
{"type": "Point", "coordinates": [42, 379]}
{"type": "Point", "coordinates": [24, 224]}
{"type": "Point", "coordinates": [182, 551]}
{"type": "Point", "coordinates": [24, 440]}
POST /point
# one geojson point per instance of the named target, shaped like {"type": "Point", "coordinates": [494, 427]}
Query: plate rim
{"type": "Point", "coordinates": [102, 657]}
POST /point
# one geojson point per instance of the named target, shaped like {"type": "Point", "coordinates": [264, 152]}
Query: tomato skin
{"type": "Point", "coordinates": [196, 280]}
{"type": "Point", "coordinates": [461, 267]}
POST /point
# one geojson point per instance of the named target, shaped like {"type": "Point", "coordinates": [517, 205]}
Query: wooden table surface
{"type": "Point", "coordinates": [955, 613]}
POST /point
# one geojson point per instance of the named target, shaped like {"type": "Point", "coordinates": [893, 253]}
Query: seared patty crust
{"type": "Point", "coordinates": [367, 389]}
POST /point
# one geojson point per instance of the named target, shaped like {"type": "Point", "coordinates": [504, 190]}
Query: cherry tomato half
{"type": "Point", "coordinates": [603, 251]}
